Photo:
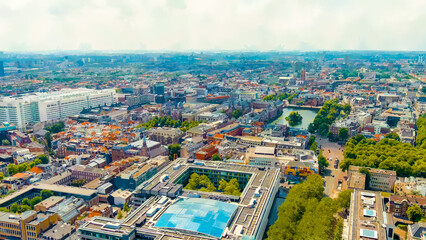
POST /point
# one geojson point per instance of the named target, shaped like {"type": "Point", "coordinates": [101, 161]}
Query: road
{"type": "Point", "coordinates": [333, 151]}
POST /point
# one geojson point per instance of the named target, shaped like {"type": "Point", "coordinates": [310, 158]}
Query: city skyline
{"type": "Point", "coordinates": [212, 25]}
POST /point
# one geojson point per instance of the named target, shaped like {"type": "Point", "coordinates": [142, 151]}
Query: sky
{"type": "Point", "coordinates": [212, 25]}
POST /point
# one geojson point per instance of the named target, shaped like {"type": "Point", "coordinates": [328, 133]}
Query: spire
{"type": "Point", "coordinates": [144, 140]}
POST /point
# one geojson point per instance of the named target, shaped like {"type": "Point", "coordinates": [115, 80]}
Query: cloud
{"type": "Point", "coordinates": [185, 25]}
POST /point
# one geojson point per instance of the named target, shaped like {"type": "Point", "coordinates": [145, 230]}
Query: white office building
{"type": "Point", "coordinates": [40, 107]}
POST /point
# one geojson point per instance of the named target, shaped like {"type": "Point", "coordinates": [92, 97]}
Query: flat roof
{"type": "Point", "coordinates": [369, 213]}
{"type": "Point", "coordinates": [204, 216]}
{"type": "Point", "coordinates": [264, 150]}
{"type": "Point", "coordinates": [368, 233]}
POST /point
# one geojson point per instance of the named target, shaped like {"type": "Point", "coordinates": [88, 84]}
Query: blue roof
{"type": "Point", "coordinates": [205, 216]}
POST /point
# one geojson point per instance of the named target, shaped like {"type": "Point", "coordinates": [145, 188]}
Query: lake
{"type": "Point", "coordinates": [307, 114]}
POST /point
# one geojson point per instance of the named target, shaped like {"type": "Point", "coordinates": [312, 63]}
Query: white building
{"type": "Point", "coordinates": [40, 107]}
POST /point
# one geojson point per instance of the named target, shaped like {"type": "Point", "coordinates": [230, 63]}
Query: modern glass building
{"type": "Point", "coordinates": [199, 216]}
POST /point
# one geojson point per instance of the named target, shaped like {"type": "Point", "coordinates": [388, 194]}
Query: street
{"type": "Point", "coordinates": [331, 150]}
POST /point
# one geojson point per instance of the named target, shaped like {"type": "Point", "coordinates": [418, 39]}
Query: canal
{"type": "Point", "coordinates": [273, 214]}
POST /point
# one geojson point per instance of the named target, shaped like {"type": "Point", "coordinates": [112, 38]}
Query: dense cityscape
{"type": "Point", "coordinates": [285, 145]}
{"type": "Point", "coordinates": [212, 120]}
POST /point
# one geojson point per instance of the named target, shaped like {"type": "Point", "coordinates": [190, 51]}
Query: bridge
{"type": "Point", "coordinates": [303, 107]}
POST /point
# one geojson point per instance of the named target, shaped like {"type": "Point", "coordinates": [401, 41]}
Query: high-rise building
{"type": "Point", "coordinates": [303, 75]}
{"type": "Point", "coordinates": [1, 69]}
{"type": "Point", "coordinates": [158, 88]}
{"type": "Point", "coordinates": [40, 107]}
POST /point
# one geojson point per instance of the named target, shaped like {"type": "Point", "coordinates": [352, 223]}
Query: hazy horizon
{"type": "Point", "coordinates": [212, 26]}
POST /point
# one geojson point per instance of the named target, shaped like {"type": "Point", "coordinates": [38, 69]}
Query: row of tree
{"type": "Point", "coordinates": [59, 127]}
{"type": "Point", "coordinates": [166, 121]}
{"type": "Point", "coordinates": [306, 214]}
{"type": "Point", "coordinates": [13, 169]}
{"type": "Point", "coordinates": [200, 183]}
{"type": "Point", "coordinates": [330, 111]}
{"type": "Point", "coordinates": [388, 153]}
{"type": "Point", "coordinates": [203, 183]}
{"type": "Point", "coordinates": [280, 97]}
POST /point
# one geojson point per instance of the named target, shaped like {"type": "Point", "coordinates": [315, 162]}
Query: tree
{"type": "Point", "coordinates": [343, 134]}
{"type": "Point", "coordinates": [14, 207]}
{"type": "Point", "coordinates": [414, 213]}
{"type": "Point", "coordinates": [23, 208]}
{"type": "Point", "coordinates": [305, 214]}
{"type": "Point", "coordinates": [216, 157]}
{"type": "Point", "coordinates": [311, 140]}
{"type": "Point", "coordinates": [323, 129]}
{"type": "Point", "coordinates": [3, 209]}
{"type": "Point", "coordinates": [1, 176]}
{"type": "Point", "coordinates": [120, 214]}
{"type": "Point", "coordinates": [237, 114]}
{"type": "Point", "coordinates": [78, 182]}
{"type": "Point", "coordinates": [330, 137]}
{"type": "Point", "coordinates": [174, 151]}
{"type": "Point", "coordinates": [126, 208]}
{"type": "Point", "coordinates": [311, 128]}
{"type": "Point", "coordinates": [404, 158]}
{"type": "Point", "coordinates": [43, 158]}
{"type": "Point", "coordinates": [344, 199]}
{"type": "Point", "coordinates": [231, 188]}
{"type": "Point", "coordinates": [56, 127]}
{"type": "Point", "coordinates": [314, 147]}
{"type": "Point", "coordinates": [48, 139]}
{"type": "Point", "coordinates": [338, 231]}
{"type": "Point", "coordinates": [35, 200]}
{"type": "Point", "coordinates": [5, 142]}
{"type": "Point", "coordinates": [322, 162]}
{"type": "Point", "coordinates": [393, 135]}
{"type": "Point", "coordinates": [12, 169]}
{"type": "Point", "coordinates": [200, 183]}
{"type": "Point", "coordinates": [45, 194]}
{"type": "Point", "coordinates": [294, 118]}
{"type": "Point", "coordinates": [26, 201]}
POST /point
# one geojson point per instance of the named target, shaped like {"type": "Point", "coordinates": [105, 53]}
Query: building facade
{"type": "Point", "coordinates": [40, 107]}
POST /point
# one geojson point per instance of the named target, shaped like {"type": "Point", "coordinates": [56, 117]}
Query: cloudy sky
{"type": "Point", "coordinates": [185, 25]}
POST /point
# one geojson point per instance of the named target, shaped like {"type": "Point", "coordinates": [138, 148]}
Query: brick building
{"type": "Point", "coordinates": [398, 205]}
{"type": "Point", "coordinates": [206, 152]}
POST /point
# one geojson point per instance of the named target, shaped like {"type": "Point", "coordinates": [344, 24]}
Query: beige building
{"type": "Point", "coordinates": [166, 135]}
{"type": "Point", "coordinates": [380, 179]}
{"type": "Point", "coordinates": [28, 225]}
{"type": "Point", "coordinates": [261, 157]}
{"type": "Point", "coordinates": [48, 203]}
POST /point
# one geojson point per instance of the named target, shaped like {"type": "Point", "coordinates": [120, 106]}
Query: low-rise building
{"type": "Point", "coordinates": [417, 231]}
{"type": "Point", "coordinates": [166, 135]}
{"type": "Point", "coordinates": [59, 232]}
{"type": "Point", "coordinates": [29, 225]}
{"type": "Point", "coordinates": [119, 197]}
{"type": "Point", "coordinates": [134, 175]}
{"type": "Point", "coordinates": [48, 203]}
{"type": "Point", "coordinates": [262, 157]}
{"type": "Point", "coordinates": [398, 205]}
{"type": "Point", "coordinates": [380, 179]}
{"type": "Point", "coordinates": [206, 152]}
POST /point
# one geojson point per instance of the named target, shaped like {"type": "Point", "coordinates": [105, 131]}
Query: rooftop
{"type": "Point", "coordinates": [203, 216]}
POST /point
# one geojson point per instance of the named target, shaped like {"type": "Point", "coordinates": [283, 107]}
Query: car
{"type": "Point", "coordinates": [336, 164]}
{"type": "Point", "coordinates": [330, 159]}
